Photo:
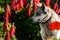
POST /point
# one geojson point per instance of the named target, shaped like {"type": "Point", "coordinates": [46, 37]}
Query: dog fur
{"type": "Point", "coordinates": [44, 18]}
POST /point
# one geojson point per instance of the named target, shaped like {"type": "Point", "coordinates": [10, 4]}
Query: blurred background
{"type": "Point", "coordinates": [25, 28]}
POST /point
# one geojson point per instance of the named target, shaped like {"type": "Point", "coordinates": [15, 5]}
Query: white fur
{"type": "Point", "coordinates": [54, 17]}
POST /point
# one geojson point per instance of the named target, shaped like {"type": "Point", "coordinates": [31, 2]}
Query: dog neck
{"type": "Point", "coordinates": [47, 21]}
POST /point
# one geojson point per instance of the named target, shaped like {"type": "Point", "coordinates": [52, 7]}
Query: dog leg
{"type": "Point", "coordinates": [45, 37]}
{"type": "Point", "coordinates": [48, 38]}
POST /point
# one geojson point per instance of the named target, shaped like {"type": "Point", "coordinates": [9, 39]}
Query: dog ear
{"type": "Point", "coordinates": [43, 7]}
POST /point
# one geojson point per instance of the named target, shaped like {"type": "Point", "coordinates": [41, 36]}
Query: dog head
{"type": "Point", "coordinates": [42, 14]}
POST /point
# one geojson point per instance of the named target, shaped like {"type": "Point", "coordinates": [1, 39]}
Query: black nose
{"type": "Point", "coordinates": [38, 20]}
{"type": "Point", "coordinates": [31, 19]}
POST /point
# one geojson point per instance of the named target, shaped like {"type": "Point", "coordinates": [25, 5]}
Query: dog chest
{"type": "Point", "coordinates": [45, 31]}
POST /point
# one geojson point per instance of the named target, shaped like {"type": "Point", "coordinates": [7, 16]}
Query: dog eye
{"type": "Point", "coordinates": [44, 12]}
{"type": "Point", "coordinates": [37, 14]}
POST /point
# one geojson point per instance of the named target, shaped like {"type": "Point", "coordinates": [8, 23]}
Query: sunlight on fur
{"type": "Point", "coordinates": [44, 15]}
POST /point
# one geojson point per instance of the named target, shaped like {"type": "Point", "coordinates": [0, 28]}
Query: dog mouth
{"type": "Point", "coordinates": [39, 20]}
{"type": "Point", "coordinates": [44, 20]}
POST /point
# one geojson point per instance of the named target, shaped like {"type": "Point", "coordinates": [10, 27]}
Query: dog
{"type": "Point", "coordinates": [45, 15]}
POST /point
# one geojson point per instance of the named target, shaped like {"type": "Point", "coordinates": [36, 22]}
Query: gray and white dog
{"type": "Point", "coordinates": [44, 15]}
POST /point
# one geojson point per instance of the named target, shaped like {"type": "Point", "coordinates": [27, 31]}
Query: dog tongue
{"type": "Point", "coordinates": [54, 25]}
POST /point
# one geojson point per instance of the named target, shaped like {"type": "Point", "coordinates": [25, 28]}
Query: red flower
{"type": "Point", "coordinates": [7, 36]}
{"type": "Point", "coordinates": [5, 25]}
{"type": "Point", "coordinates": [28, 10]}
{"type": "Point", "coordinates": [32, 2]}
{"type": "Point", "coordinates": [20, 4]}
{"type": "Point", "coordinates": [34, 5]}
{"type": "Point", "coordinates": [12, 30]}
{"type": "Point", "coordinates": [13, 4]}
{"type": "Point", "coordinates": [57, 25]}
{"type": "Point", "coordinates": [47, 3]}
{"type": "Point", "coordinates": [37, 1]}
{"type": "Point", "coordinates": [25, 2]}
{"type": "Point", "coordinates": [58, 11]}
{"type": "Point", "coordinates": [54, 6]}
{"type": "Point", "coordinates": [7, 9]}
{"type": "Point", "coordinates": [6, 16]}
{"type": "Point", "coordinates": [52, 26]}
{"type": "Point", "coordinates": [17, 6]}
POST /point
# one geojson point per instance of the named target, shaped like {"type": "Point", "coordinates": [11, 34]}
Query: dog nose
{"type": "Point", "coordinates": [38, 20]}
{"type": "Point", "coordinates": [31, 19]}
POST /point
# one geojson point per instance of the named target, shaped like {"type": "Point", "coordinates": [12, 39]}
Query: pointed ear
{"type": "Point", "coordinates": [43, 6]}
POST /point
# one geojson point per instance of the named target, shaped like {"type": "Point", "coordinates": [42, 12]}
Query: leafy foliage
{"type": "Point", "coordinates": [25, 28]}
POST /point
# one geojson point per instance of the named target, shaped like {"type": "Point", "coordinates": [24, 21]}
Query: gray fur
{"type": "Point", "coordinates": [42, 15]}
